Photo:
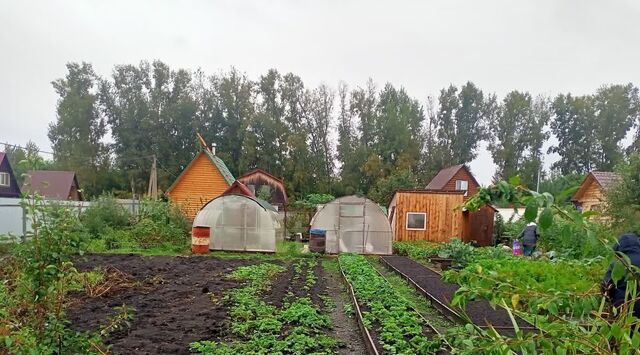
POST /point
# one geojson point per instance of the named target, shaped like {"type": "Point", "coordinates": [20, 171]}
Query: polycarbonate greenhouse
{"type": "Point", "coordinates": [354, 225]}
{"type": "Point", "coordinates": [239, 223]}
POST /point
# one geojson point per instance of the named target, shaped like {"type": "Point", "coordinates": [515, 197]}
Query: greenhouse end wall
{"type": "Point", "coordinates": [354, 225]}
{"type": "Point", "coordinates": [238, 223]}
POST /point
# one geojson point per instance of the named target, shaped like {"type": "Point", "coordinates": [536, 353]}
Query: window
{"type": "Point", "coordinates": [462, 185]}
{"type": "Point", "coordinates": [4, 179]}
{"type": "Point", "coordinates": [416, 221]}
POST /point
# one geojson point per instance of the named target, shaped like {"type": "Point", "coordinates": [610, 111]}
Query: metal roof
{"type": "Point", "coordinates": [54, 185]}
{"type": "Point", "coordinates": [221, 166]}
{"type": "Point", "coordinates": [445, 175]}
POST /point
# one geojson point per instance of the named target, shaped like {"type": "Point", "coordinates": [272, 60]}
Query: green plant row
{"type": "Point", "coordinates": [400, 330]}
{"type": "Point", "coordinates": [297, 328]}
{"type": "Point", "coordinates": [538, 287]}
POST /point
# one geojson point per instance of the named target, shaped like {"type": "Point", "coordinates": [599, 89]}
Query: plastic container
{"type": "Point", "coordinates": [517, 250]}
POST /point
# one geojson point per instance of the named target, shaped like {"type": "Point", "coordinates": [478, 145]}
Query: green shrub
{"type": "Point", "coordinates": [105, 212]}
{"type": "Point", "coordinates": [416, 249]}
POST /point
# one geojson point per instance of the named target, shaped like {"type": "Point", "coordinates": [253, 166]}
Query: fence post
{"type": "Point", "coordinates": [24, 223]}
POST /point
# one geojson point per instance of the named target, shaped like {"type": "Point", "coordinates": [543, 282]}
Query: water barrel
{"type": "Point", "coordinates": [200, 240]}
{"type": "Point", "coordinates": [317, 240]}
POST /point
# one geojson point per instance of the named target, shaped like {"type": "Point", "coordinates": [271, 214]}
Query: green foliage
{"type": "Point", "coordinates": [312, 200]}
{"type": "Point", "coordinates": [34, 280]}
{"type": "Point", "coordinates": [623, 199]}
{"type": "Point", "coordinates": [399, 328]}
{"type": "Point", "coordinates": [297, 328]}
{"type": "Point", "coordinates": [105, 212]}
{"type": "Point", "coordinates": [384, 189]}
{"type": "Point", "coordinates": [457, 250]}
{"type": "Point", "coordinates": [416, 250]}
{"type": "Point", "coordinates": [562, 187]}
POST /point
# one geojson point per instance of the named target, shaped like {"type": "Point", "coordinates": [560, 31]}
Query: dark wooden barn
{"type": "Point", "coordinates": [53, 185]}
{"type": "Point", "coordinates": [8, 183]}
{"type": "Point", "coordinates": [266, 186]}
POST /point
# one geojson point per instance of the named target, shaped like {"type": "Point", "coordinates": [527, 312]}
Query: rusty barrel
{"type": "Point", "coordinates": [317, 240]}
{"type": "Point", "coordinates": [200, 240]}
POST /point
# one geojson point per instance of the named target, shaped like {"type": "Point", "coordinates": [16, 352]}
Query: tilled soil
{"type": "Point", "coordinates": [480, 311]}
{"type": "Point", "coordinates": [345, 327]}
{"type": "Point", "coordinates": [175, 302]}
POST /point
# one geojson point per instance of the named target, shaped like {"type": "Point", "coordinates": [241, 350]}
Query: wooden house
{"type": "Point", "coordinates": [591, 195]}
{"type": "Point", "coordinates": [8, 183]}
{"type": "Point", "coordinates": [204, 179]}
{"type": "Point", "coordinates": [455, 178]}
{"type": "Point", "coordinates": [266, 186]}
{"type": "Point", "coordinates": [436, 216]}
{"type": "Point", "coordinates": [53, 185]}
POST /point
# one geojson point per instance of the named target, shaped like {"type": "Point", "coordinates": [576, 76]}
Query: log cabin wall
{"type": "Point", "coordinates": [444, 221]}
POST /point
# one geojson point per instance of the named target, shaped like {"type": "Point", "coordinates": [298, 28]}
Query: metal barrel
{"type": "Point", "coordinates": [317, 240]}
{"type": "Point", "coordinates": [200, 240]}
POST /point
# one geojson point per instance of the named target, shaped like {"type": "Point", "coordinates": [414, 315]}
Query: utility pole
{"type": "Point", "coordinates": [538, 184]}
{"type": "Point", "coordinates": [153, 181]}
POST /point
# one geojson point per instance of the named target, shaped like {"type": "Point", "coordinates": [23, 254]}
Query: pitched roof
{"type": "Point", "coordinates": [238, 188]}
{"type": "Point", "coordinates": [2, 155]}
{"type": "Point", "coordinates": [445, 175]}
{"type": "Point", "coordinates": [605, 179]}
{"type": "Point", "coordinates": [217, 162]}
{"type": "Point", "coordinates": [221, 166]}
{"type": "Point", "coordinates": [261, 171]}
{"type": "Point", "coordinates": [54, 185]}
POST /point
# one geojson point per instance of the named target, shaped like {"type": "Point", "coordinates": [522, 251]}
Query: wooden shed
{"type": "Point", "coordinates": [591, 195]}
{"type": "Point", "coordinates": [455, 178]}
{"type": "Point", "coordinates": [436, 216]}
{"type": "Point", "coordinates": [261, 182]}
{"type": "Point", "coordinates": [204, 179]}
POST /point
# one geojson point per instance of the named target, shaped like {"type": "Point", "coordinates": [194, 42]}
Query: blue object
{"type": "Point", "coordinates": [317, 231]}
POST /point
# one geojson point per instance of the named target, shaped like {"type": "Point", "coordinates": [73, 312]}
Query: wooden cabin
{"type": "Point", "coordinates": [204, 179]}
{"type": "Point", "coordinates": [262, 183]}
{"type": "Point", "coordinates": [436, 216]}
{"type": "Point", "coordinates": [426, 215]}
{"type": "Point", "coordinates": [8, 182]}
{"type": "Point", "coordinates": [455, 178]}
{"type": "Point", "coordinates": [53, 185]}
{"type": "Point", "coordinates": [591, 195]}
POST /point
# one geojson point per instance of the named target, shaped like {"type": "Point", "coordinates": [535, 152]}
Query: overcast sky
{"type": "Point", "coordinates": [542, 46]}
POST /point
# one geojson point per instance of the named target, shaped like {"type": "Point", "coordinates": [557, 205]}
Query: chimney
{"type": "Point", "coordinates": [212, 148]}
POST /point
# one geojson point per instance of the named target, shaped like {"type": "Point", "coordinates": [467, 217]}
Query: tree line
{"type": "Point", "coordinates": [341, 140]}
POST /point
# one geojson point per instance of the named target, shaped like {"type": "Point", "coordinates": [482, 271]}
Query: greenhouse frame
{"type": "Point", "coordinates": [239, 223]}
{"type": "Point", "coordinates": [354, 224]}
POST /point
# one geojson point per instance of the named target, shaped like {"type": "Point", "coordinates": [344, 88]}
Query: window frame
{"type": "Point", "coordinates": [8, 177]}
{"type": "Point", "coordinates": [460, 188]}
{"type": "Point", "coordinates": [406, 225]}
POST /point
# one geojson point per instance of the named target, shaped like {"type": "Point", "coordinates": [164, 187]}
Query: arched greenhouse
{"type": "Point", "coordinates": [239, 223]}
{"type": "Point", "coordinates": [354, 225]}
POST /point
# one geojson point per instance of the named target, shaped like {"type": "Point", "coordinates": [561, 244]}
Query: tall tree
{"type": "Point", "coordinates": [573, 125]}
{"type": "Point", "coordinates": [461, 121]}
{"type": "Point", "coordinates": [76, 136]}
{"type": "Point", "coordinates": [347, 144]}
{"type": "Point", "coordinates": [617, 108]}
{"type": "Point", "coordinates": [518, 135]}
{"type": "Point", "coordinates": [319, 123]}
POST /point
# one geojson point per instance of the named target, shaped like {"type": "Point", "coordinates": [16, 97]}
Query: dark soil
{"type": "Point", "coordinates": [480, 311]}
{"type": "Point", "coordinates": [174, 302]}
{"type": "Point", "coordinates": [345, 327]}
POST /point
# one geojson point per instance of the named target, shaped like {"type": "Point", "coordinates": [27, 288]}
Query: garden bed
{"type": "Point", "coordinates": [172, 301]}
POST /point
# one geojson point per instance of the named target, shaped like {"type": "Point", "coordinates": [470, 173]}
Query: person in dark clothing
{"type": "Point", "coordinates": [629, 245]}
{"type": "Point", "coordinates": [529, 238]}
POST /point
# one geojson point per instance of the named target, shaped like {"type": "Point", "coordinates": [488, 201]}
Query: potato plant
{"type": "Point", "coordinates": [399, 328]}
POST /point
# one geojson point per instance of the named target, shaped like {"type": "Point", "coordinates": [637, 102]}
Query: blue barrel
{"type": "Point", "coordinates": [317, 240]}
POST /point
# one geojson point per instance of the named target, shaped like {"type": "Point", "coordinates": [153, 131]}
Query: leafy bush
{"type": "Point", "coordinates": [457, 250]}
{"type": "Point", "coordinates": [312, 200]}
{"type": "Point", "coordinates": [105, 212]}
{"type": "Point", "coordinates": [34, 280]}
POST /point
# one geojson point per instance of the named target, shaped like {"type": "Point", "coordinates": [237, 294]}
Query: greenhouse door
{"type": "Point", "coordinates": [351, 233]}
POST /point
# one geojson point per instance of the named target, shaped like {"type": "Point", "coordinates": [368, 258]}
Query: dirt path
{"type": "Point", "coordinates": [345, 327]}
{"type": "Point", "coordinates": [173, 302]}
{"type": "Point", "coordinates": [480, 311]}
